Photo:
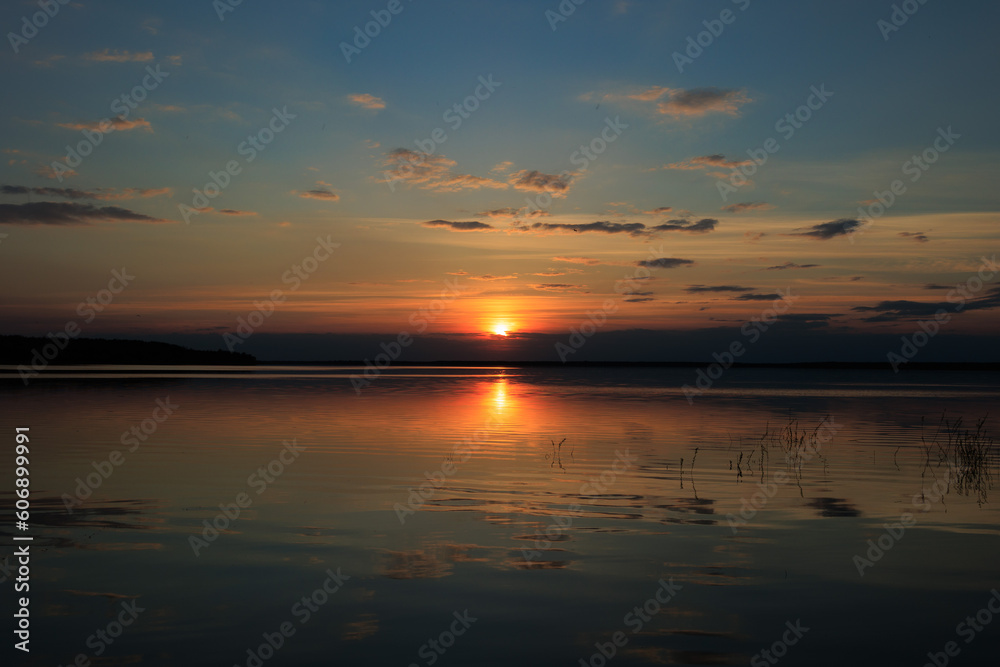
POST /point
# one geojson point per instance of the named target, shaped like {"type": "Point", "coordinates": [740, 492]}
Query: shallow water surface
{"type": "Point", "coordinates": [552, 506]}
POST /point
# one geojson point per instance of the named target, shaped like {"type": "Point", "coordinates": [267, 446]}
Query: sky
{"type": "Point", "coordinates": [486, 172]}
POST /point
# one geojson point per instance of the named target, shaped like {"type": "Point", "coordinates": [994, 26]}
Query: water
{"type": "Point", "coordinates": [518, 534]}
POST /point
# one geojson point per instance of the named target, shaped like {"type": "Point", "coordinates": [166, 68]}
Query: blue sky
{"type": "Point", "coordinates": [608, 62]}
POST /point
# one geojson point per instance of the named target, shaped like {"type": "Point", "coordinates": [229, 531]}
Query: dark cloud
{"type": "Point", "coordinates": [828, 230]}
{"type": "Point", "coordinates": [700, 101]}
{"type": "Point", "coordinates": [756, 297]}
{"type": "Point", "coordinates": [904, 309]}
{"type": "Point", "coordinates": [319, 193]}
{"type": "Point", "coordinates": [641, 299]}
{"type": "Point", "coordinates": [556, 185]}
{"type": "Point", "coordinates": [603, 227]}
{"type": "Point", "coordinates": [708, 161]}
{"type": "Point", "coordinates": [560, 287]}
{"type": "Point", "coordinates": [664, 263]}
{"type": "Point", "coordinates": [701, 227]}
{"type": "Point", "coordinates": [748, 206]}
{"type": "Point", "coordinates": [791, 265]}
{"type": "Point", "coordinates": [68, 213]}
{"type": "Point", "coordinates": [470, 226]}
{"type": "Point", "coordinates": [919, 237]}
{"type": "Point", "coordinates": [717, 288]}
{"type": "Point", "coordinates": [932, 286]}
{"type": "Point", "coordinates": [99, 194]}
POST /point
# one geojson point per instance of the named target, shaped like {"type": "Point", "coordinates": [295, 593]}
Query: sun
{"type": "Point", "coordinates": [500, 330]}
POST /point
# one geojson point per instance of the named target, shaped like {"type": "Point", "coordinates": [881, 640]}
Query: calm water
{"type": "Point", "coordinates": [549, 548]}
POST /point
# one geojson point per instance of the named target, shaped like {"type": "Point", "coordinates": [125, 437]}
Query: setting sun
{"type": "Point", "coordinates": [500, 330]}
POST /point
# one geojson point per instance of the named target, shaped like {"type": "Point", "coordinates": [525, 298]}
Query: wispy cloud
{"type": "Point", "coordinates": [68, 213]}
{"type": "Point", "coordinates": [108, 124]}
{"type": "Point", "coordinates": [109, 56]}
{"type": "Point", "coordinates": [716, 161]}
{"type": "Point", "coordinates": [366, 101]}
{"type": "Point", "coordinates": [700, 289]}
{"type": "Point", "coordinates": [919, 237]}
{"type": "Point", "coordinates": [664, 263]}
{"type": "Point", "coordinates": [431, 172]}
{"type": "Point", "coordinates": [97, 194]}
{"type": "Point", "coordinates": [702, 226]}
{"type": "Point", "coordinates": [828, 230]}
{"type": "Point", "coordinates": [470, 226]}
{"type": "Point", "coordinates": [742, 207]}
{"type": "Point", "coordinates": [790, 265]}
{"type": "Point", "coordinates": [557, 185]}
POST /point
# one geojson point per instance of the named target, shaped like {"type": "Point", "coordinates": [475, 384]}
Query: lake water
{"type": "Point", "coordinates": [520, 550]}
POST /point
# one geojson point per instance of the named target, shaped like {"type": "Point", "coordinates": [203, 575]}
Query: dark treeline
{"type": "Point", "coordinates": [15, 350]}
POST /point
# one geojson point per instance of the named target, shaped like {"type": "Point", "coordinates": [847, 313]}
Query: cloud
{"type": "Point", "coordinates": [701, 227]}
{"type": "Point", "coordinates": [235, 212]}
{"type": "Point", "coordinates": [47, 171]}
{"type": "Point", "coordinates": [589, 261]}
{"type": "Point", "coordinates": [660, 211]}
{"type": "Point", "coordinates": [708, 162]}
{"type": "Point", "coordinates": [560, 287]}
{"type": "Point", "coordinates": [510, 213]}
{"type": "Point", "coordinates": [502, 167]}
{"type": "Point", "coordinates": [99, 194]}
{"type": "Point", "coordinates": [48, 60]}
{"type": "Point", "coordinates": [698, 289]}
{"type": "Point", "coordinates": [490, 278]}
{"type": "Point", "coordinates": [68, 213]}
{"type": "Point", "coordinates": [664, 263]}
{"type": "Point", "coordinates": [791, 265]}
{"type": "Point", "coordinates": [109, 124]}
{"type": "Point", "coordinates": [757, 297]}
{"type": "Point", "coordinates": [642, 299]}
{"type": "Point", "coordinates": [701, 101]}
{"type": "Point", "coordinates": [903, 309]}
{"type": "Point", "coordinates": [828, 230]}
{"type": "Point", "coordinates": [748, 206]}
{"type": "Point", "coordinates": [556, 185]}
{"type": "Point", "coordinates": [319, 193]}
{"type": "Point", "coordinates": [650, 94]}
{"type": "Point", "coordinates": [366, 101]}
{"type": "Point", "coordinates": [471, 226]}
{"type": "Point", "coordinates": [753, 237]}
{"type": "Point", "coordinates": [109, 56]}
{"type": "Point", "coordinates": [431, 172]}
{"type": "Point", "coordinates": [552, 273]}
{"type": "Point", "coordinates": [603, 227]}
{"type": "Point", "coordinates": [919, 237]}
{"type": "Point", "coordinates": [933, 286]}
